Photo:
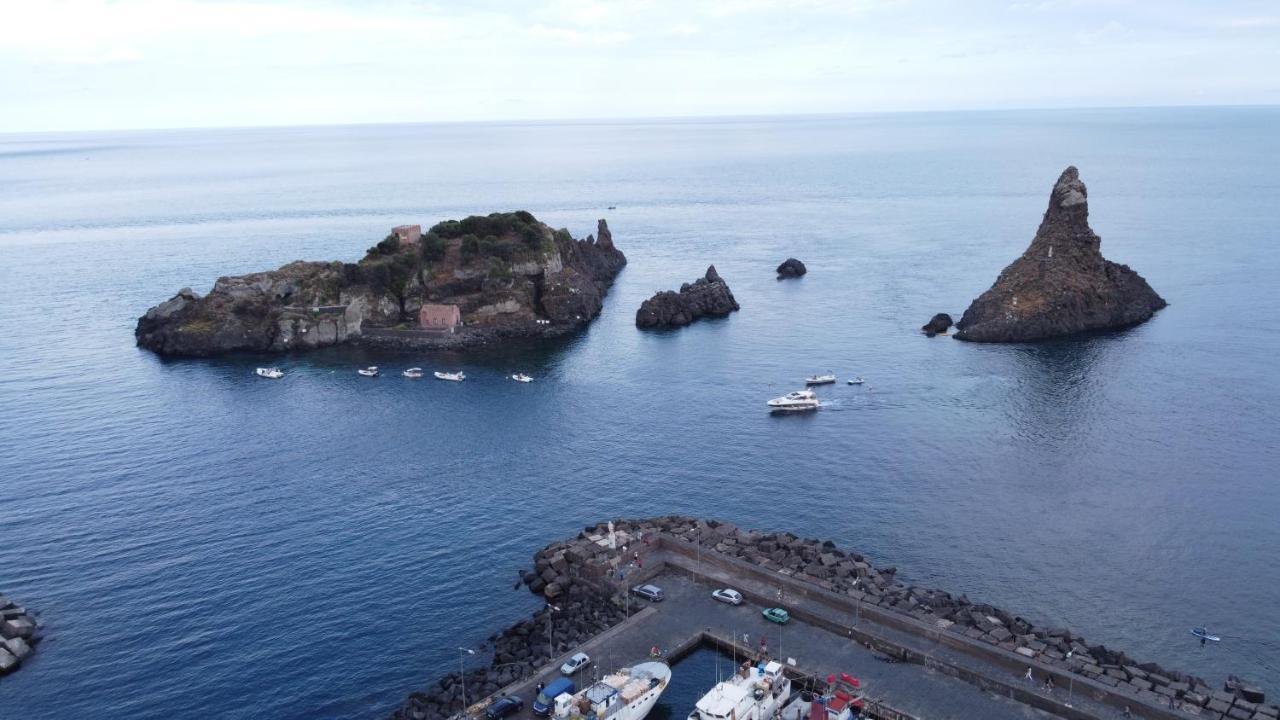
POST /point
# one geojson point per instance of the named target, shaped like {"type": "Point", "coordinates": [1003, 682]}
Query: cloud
{"type": "Point", "coordinates": [579, 37]}
{"type": "Point", "coordinates": [1251, 23]}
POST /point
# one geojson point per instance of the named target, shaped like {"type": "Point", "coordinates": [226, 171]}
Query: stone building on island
{"type": "Point", "coordinates": [407, 234]}
{"type": "Point", "coordinates": [439, 318]}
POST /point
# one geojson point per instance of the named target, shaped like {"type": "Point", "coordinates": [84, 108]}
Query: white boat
{"type": "Point", "coordinates": [753, 693]}
{"type": "Point", "coordinates": [272, 373]}
{"type": "Point", "coordinates": [798, 401]}
{"type": "Point", "coordinates": [453, 376]}
{"type": "Point", "coordinates": [371, 371]}
{"type": "Point", "coordinates": [521, 377]}
{"type": "Point", "coordinates": [857, 381]}
{"type": "Point", "coordinates": [412, 373]}
{"type": "Point", "coordinates": [628, 694]}
{"type": "Point", "coordinates": [820, 379]}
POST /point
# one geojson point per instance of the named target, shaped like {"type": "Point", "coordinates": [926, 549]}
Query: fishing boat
{"type": "Point", "coordinates": [857, 381]}
{"type": "Point", "coordinates": [842, 700]}
{"type": "Point", "coordinates": [371, 371]}
{"type": "Point", "coordinates": [628, 694]}
{"type": "Point", "coordinates": [450, 376]}
{"type": "Point", "coordinates": [521, 378]}
{"type": "Point", "coordinates": [269, 372]}
{"type": "Point", "coordinates": [827, 379]}
{"type": "Point", "coordinates": [797, 401]}
{"type": "Point", "coordinates": [755, 692]}
{"type": "Point", "coordinates": [414, 373]}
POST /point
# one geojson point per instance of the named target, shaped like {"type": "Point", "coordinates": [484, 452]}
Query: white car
{"type": "Point", "coordinates": [727, 595]}
{"type": "Point", "coordinates": [575, 663]}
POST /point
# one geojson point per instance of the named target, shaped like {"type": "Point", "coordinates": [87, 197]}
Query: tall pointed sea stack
{"type": "Point", "coordinates": [1061, 285]}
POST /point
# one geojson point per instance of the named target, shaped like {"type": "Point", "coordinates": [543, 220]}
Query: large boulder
{"type": "Point", "coordinates": [791, 268]}
{"type": "Point", "coordinates": [939, 323]}
{"type": "Point", "coordinates": [708, 296]}
{"type": "Point", "coordinates": [1061, 285]}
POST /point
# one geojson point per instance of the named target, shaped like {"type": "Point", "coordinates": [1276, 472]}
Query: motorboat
{"type": "Point", "coordinates": [797, 401]}
{"type": "Point", "coordinates": [628, 694]}
{"type": "Point", "coordinates": [755, 692]}
{"type": "Point", "coordinates": [827, 379]}
{"type": "Point", "coordinates": [857, 381]}
{"type": "Point", "coordinates": [521, 378]}
{"type": "Point", "coordinates": [451, 376]}
{"type": "Point", "coordinates": [269, 372]}
{"type": "Point", "coordinates": [414, 373]}
{"type": "Point", "coordinates": [371, 371]}
{"type": "Point", "coordinates": [1204, 634]}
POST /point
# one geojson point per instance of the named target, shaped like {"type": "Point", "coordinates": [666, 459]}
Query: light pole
{"type": "Point", "coordinates": [462, 653]}
{"type": "Point", "coordinates": [1071, 679]}
{"type": "Point", "coordinates": [551, 651]}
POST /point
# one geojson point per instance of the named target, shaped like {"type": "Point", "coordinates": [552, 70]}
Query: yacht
{"type": "Point", "coordinates": [452, 376]}
{"type": "Point", "coordinates": [414, 373]}
{"type": "Point", "coordinates": [628, 694]}
{"type": "Point", "coordinates": [798, 401]}
{"type": "Point", "coordinates": [371, 371]}
{"type": "Point", "coordinates": [270, 372]}
{"type": "Point", "coordinates": [753, 693]}
{"type": "Point", "coordinates": [827, 379]}
{"type": "Point", "coordinates": [521, 378]}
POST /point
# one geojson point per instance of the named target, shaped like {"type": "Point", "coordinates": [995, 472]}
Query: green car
{"type": "Point", "coordinates": [777, 615]}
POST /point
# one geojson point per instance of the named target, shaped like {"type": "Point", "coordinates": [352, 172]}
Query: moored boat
{"type": "Point", "coordinates": [628, 694]}
{"type": "Point", "coordinates": [753, 693]}
{"type": "Point", "coordinates": [827, 379]}
{"type": "Point", "coordinates": [412, 373]}
{"type": "Point", "coordinates": [521, 378]}
{"type": "Point", "coordinates": [843, 700]}
{"type": "Point", "coordinates": [371, 371]}
{"type": "Point", "coordinates": [269, 372]}
{"type": "Point", "coordinates": [857, 381]}
{"type": "Point", "coordinates": [451, 376]}
{"type": "Point", "coordinates": [797, 401]}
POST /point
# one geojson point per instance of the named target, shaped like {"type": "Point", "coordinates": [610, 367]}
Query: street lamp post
{"type": "Point", "coordinates": [1071, 680]}
{"type": "Point", "coordinates": [551, 650]}
{"type": "Point", "coordinates": [463, 653]}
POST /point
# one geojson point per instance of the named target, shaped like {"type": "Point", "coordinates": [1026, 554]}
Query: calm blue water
{"type": "Point", "coordinates": [201, 542]}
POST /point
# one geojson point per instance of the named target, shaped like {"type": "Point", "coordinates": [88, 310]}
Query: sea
{"type": "Point", "coordinates": [200, 542]}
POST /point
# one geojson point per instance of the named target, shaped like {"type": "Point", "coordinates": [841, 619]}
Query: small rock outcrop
{"type": "Point", "coordinates": [19, 633]}
{"type": "Point", "coordinates": [708, 296]}
{"type": "Point", "coordinates": [1061, 285]}
{"type": "Point", "coordinates": [939, 323]}
{"type": "Point", "coordinates": [791, 268]}
{"type": "Point", "coordinates": [509, 276]}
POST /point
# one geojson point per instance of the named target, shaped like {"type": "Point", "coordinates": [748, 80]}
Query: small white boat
{"type": "Point", "coordinates": [798, 401]}
{"type": "Point", "coordinates": [521, 378]}
{"type": "Point", "coordinates": [856, 381]}
{"type": "Point", "coordinates": [412, 373]}
{"type": "Point", "coordinates": [451, 376]}
{"type": "Point", "coordinates": [269, 372]}
{"type": "Point", "coordinates": [820, 379]}
{"type": "Point", "coordinates": [371, 371]}
{"type": "Point", "coordinates": [752, 693]}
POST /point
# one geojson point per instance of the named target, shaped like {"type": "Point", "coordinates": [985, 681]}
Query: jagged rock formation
{"type": "Point", "coordinates": [708, 296]}
{"type": "Point", "coordinates": [791, 268]}
{"type": "Point", "coordinates": [937, 324]}
{"type": "Point", "coordinates": [1061, 285]}
{"type": "Point", "coordinates": [510, 275]}
{"type": "Point", "coordinates": [19, 633]}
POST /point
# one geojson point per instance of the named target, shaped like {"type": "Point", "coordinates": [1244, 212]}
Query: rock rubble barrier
{"type": "Point", "coordinates": [19, 635]}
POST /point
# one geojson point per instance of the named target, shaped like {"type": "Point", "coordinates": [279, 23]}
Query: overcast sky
{"type": "Point", "coordinates": [96, 64]}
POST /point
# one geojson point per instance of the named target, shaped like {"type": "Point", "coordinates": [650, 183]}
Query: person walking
{"type": "Point", "coordinates": [1027, 675]}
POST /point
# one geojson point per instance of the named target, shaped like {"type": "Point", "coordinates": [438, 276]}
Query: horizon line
{"type": "Point", "coordinates": [640, 118]}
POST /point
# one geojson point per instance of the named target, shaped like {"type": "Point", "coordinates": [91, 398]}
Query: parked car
{"type": "Point", "coordinates": [652, 593]}
{"type": "Point", "coordinates": [547, 698]}
{"type": "Point", "coordinates": [728, 595]}
{"type": "Point", "coordinates": [777, 615]}
{"type": "Point", "coordinates": [503, 706]}
{"type": "Point", "coordinates": [575, 663]}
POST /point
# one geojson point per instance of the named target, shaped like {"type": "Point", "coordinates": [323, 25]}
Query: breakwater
{"type": "Point", "coordinates": [19, 634]}
{"type": "Point", "coordinates": [982, 644]}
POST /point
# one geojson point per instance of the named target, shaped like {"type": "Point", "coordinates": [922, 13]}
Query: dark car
{"type": "Point", "coordinates": [652, 593]}
{"type": "Point", "coordinates": [503, 706]}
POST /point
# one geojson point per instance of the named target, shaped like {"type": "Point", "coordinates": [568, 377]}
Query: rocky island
{"type": "Point", "coordinates": [791, 268]}
{"type": "Point", "coordinates": [708, 296]}
{"type": "Point", "coordinates": [463, 283]}
{"type": "Point", "coordinates": [1061, 285]}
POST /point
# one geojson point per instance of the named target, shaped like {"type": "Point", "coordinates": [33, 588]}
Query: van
{"type": "Point", "coordinates": [546, 699]}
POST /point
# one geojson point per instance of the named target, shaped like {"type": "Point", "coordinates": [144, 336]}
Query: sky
{"type": "Point", "coordinates": [120, 64]}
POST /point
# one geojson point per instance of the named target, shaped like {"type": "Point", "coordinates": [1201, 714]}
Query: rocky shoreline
{"type": "Point", "coordinates": [19, 635]}
{"type": "Point", "coordinates": [573, 574]}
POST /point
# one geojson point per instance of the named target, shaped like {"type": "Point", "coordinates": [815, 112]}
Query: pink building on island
{"type": "Point", "coordinates": [407, 233]}
{"type": "Point", "coordinates": [443, 318]}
